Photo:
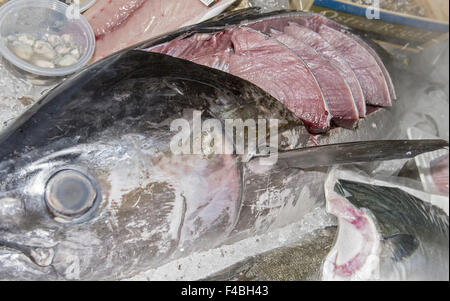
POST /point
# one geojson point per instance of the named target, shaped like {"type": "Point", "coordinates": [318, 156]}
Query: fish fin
{"type": "Point", "coordinates": [355, 152]}
{"type": "Point", "coordinates": [402, 245]}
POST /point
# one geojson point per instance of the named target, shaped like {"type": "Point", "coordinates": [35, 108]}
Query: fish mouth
{"type": "Point", "coordinates": [12, 238]}
{"type": "Point", "coordinates": [22, 263]}
{"type": "Point", "coordinates": [355, 255]}
{"type": "Point", "coordinates": [356, 252]}
{"type": "Point", "coordinates": [38, 246]}
{"type": "Point", "coordinates": [40, 256]}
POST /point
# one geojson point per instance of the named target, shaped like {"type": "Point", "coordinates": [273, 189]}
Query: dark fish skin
{"type": "Point", "coordinates": [72, 102]}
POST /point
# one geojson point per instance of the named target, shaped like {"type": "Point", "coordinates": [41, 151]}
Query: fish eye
{"type": "Point", "coordinates": [69, 194]}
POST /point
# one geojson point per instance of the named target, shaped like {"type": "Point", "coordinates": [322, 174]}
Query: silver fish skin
{"type": "Point", "coordinates": [90, 190]}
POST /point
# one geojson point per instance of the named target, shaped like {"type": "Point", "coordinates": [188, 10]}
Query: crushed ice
{"type": "Point", "coordinates": [16, 95]}
{"type": "Point", "coordinates": [203, 264]}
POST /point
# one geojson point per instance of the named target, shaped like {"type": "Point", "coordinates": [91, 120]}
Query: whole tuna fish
{"type": "Point", "coordinates": [90, 189]}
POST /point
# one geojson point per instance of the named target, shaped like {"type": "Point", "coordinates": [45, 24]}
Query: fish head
{"type": "Point", "coordinates": [89, 187]}
{"type": "Point", "coordinates": [111, 206]}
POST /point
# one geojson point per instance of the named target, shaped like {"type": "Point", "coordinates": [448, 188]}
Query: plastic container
{"type": "Point", "coordinates": [40, 19]}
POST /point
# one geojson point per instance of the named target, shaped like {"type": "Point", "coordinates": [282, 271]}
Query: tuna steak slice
{"type": "Point", "coordinates": [337, 93]}
{"type": "Point", "coordinates": [319, 44]}
{"type": "Point", "coordinates": [280, 72]}
{"type": "Point", "coordinates": [387, 76]}
{"type": "Point", "coordinates": [120, 24]}
{"type": "Point", "coordinates": [363, 64]}
{"type": "Point", "coordinates": [314, 21]}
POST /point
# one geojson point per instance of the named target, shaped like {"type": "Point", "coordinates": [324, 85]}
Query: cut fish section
{"type": "Point", "coordinates": [363, 64]}
{"type": "Point", "coordinates": [337, 93]}
{"type": "Point", "coordinates": [314, 40]}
